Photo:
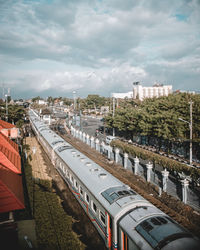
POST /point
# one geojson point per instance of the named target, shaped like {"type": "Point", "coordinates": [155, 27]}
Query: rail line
{"type": "Point", "coordinates": [122, 176]}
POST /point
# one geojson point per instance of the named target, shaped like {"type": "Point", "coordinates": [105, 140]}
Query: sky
{"type": "Point", "coordinates": [55, 47]}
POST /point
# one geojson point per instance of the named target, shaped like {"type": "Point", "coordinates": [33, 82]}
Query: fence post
{"type": "Point", "coordinates": [165, 175]}
{"type": "Point", "coordinates": [125, 160]}
{"type": "Point", "coordinates": [102, 147]}
{"type": "Point", "coordinates": [88, 139]}
{"type": "Point", "coordinates": [136, 165]}
{"type": "Point", "coordinates": [184, 184]}
{"type": "Point", "coordinates": [80, 135]}
{"type": "Point", "coordinates": [97, 145]}
{"type": "Point", "coordinates": [149, 168]}
{"type": "Point", "coordinates": [117, 155]}
{"type": "Point", "coordinates": [83, 137]}
{"type": "Point", "coordinates": [92, 142]}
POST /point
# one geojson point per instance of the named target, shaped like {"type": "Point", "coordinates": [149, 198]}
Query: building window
{"type": "Point", "coordinates": [102, 218]}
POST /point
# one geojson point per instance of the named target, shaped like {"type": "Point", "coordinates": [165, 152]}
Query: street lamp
{"type": "Point", "coordinates": [190, 126]}
{"type": "Point", "coordinates": [6, 96]}
{"type": "Point", "coordinates": [113, 114]}
{"type": "Point", "coordinates": [74, 96]}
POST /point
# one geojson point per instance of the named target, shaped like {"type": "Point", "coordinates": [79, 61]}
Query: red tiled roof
{"type": "Point", "coordinates": [10, 160]}
{"type": "Point", "coordinates": [11, 191]}
{"type": "Point", "coordinates": [6, 125]}
{"type": "Point", "coordinates": [5, 141]}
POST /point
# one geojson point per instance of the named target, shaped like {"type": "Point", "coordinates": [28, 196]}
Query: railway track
{"type": "Point", "coordinates": [133, 181]}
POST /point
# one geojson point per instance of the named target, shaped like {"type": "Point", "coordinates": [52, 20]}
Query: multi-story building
{"type": "Point", "coordinates": [157, 90]}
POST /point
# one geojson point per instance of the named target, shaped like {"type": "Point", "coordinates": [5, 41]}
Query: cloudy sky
{"type": "Point", "coordinates": [53, 47]}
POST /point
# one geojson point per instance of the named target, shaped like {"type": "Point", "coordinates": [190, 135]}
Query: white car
{"type": "Point", "coordinates": [109, 139]}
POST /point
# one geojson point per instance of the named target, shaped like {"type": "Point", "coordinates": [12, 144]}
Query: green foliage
{"type": "Point", "coordinates": [36, 99]}
{"type": "Point", "coordinates": [163, 161]}
{"type": "Point", "coordinates": [158, 117]}
{"type": "Point", "coordinates": [53, 225]}
{"type": "Point", "coordinates": [15, 114]}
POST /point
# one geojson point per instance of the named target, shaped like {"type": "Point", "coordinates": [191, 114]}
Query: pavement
{"type": "Point", "coordinates": [26, 234]}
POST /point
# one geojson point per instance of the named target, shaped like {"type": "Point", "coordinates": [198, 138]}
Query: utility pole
{"type": "Point", "coordinates": [6, 97]}
{"type": "Point", "coordinates": [113, 114]}
{"type": "Point", "coordinates": [74, 95]}
{"type": "Point", "coordinates": [190, 125]}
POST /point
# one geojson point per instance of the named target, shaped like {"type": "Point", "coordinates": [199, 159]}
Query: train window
{"type": "Point", "coordinates": [81, 190]}
{"type": "Point", "coordinates": [114, 196]}
{"type": "Point", "coordinates": [162, 220]}
{"type": "Point", "coordinates": [75, 184]}
{"type": "Point", "coordinates": [102, 217]}
{"type": "Point", "coordinates": [87, 198]}
{"type": "Point", "coordinates": [146, 226]}
{"type": "Point", "coordinates": [155, 221]}
{"type": "Point", "coordinates": [94, 207]}
{"type": "Point", "coordinates": [71, 178]}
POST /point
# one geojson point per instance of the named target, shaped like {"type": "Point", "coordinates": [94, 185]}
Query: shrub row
{"type": "Point", "coordinates": [53, 225]}
{"type": "Point", "coordinates": [165, 162]}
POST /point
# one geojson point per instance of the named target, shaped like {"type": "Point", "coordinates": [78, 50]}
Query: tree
{"type": "Point", "coordinates": [36, 99]}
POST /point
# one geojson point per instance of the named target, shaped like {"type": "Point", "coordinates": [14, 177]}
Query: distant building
{"type": "Point", "coordinates": [157, 90]}
{"type": "Point", "coordinates": [122, 95]}
{"type": "Point", "coordinates": [42, 102]}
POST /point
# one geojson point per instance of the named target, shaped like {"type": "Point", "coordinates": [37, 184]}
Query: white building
{"type": "Point", "coordinates": [42, 102]}
{"type": "Point", "coordinates": [156, 90]}
{"type": "Point", "coordinates": [122, 95]}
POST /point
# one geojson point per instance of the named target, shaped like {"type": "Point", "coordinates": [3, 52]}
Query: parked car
{"type": "Point", "coordinates": [109, 138]}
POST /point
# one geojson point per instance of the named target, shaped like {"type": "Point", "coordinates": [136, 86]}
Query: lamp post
{"type": "Point", "coordinates": [6, 96]}
{"type": "Point", "coordinates": [113, 114]}
{"type": "Point", "coordinates": [74, 96]}
{"type": "Point", "coordinates": [190, 126]}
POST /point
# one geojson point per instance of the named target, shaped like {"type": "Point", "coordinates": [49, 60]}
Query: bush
{"type": "Point", "coordinates": [169, 164]}
{"type": "Point", "coordinates": [53, 225]}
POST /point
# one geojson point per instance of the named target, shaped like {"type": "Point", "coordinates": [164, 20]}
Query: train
{"type": "Point", "coordinates": [123, 218]}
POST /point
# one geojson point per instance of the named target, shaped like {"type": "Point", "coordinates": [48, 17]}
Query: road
{"type": "Point", "coordinates": [89, 126]}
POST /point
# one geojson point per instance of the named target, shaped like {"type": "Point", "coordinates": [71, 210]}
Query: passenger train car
{"type": "Point", "coordinates": [123, 218]}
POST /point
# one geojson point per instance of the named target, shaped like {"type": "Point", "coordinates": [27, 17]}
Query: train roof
{"type": "Point", "coordinates": [157, 229]}
{"type": "Point", "coordinates": [108, 190]}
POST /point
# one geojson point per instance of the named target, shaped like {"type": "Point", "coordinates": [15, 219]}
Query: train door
{"type": "Point", "coordinates": [109, 232]}
{"type": "Point", "coordinates": [124, 242]}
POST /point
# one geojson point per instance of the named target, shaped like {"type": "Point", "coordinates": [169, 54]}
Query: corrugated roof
{"type": "Point", "coordinates": [11, 191]}
{"type": "Point", "coordinates": [10, 160]}
{"type": "Point", "coordinates": [6, 125]}
{"type": "Point", "coordinates": [7, 142]}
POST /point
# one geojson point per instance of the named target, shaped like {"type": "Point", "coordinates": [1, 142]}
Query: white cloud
{"type": "Point", "coordinates": [98, 46]}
